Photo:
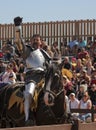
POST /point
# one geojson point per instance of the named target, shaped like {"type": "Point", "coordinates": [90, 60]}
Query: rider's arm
{"type": "Point", "coordinates": [18, 40]}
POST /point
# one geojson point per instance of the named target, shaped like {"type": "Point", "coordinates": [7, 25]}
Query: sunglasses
{"type": "Point", "coordinates": [84, 95]}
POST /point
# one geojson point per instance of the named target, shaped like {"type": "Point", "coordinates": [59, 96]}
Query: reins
{"type": "Point", "coordinates": [55, 94]}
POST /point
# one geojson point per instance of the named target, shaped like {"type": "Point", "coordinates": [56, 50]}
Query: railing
{"type": "Point", "coordinates": [92, 111]}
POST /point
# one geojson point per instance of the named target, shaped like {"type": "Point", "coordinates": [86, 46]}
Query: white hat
{"type": "Point", "coordinates": [84, 86]}
{"type": "Point", "coordinates": [73, 94]}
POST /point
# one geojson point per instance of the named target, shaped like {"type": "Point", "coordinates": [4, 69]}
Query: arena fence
{"type": "Point", "coordinates": [77, 126]}
{"type": "Point", "coordinates": [52, 31]}
{"type": "Point", "coordinates": [92, 111]}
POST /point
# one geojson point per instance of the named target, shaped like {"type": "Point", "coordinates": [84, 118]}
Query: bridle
{"type": "Point", "coordinates": [52, 92]}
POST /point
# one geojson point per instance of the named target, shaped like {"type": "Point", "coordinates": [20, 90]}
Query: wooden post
{"type": "Point", "coordinates": [76, 125]}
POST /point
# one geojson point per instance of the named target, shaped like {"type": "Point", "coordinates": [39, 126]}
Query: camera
{"type": "Point", "coordinates": [18, 21]}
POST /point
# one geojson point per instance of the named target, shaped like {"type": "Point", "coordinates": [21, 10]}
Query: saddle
{"type": "Point", "coordinates": [38, 89]}
{"type": "Point", "coordinates": [18, 97]}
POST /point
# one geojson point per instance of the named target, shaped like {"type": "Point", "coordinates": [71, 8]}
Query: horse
{"type": "Point", "coordinates": [49, 103]}
{"type": "Point", "coordinates": [50, 108]}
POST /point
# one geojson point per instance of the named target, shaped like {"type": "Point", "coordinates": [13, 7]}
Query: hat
{"type": "Point", "coordinates": [84, 70]}
{"type": "Point", "coordinates": [64, 76]}
{"type": "Point", "coordinates": [84, 86]}
{"type": "Point", "coordinates": [73, 94]}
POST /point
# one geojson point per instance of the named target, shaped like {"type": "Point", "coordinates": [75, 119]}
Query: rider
{"type": "Point", "coordinates": [35, 58]}
{"type": "Point", "coordinates": [35, 61]}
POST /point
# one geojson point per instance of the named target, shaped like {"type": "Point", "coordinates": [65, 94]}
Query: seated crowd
{"type": "Point", "coordinates": [79, 75]}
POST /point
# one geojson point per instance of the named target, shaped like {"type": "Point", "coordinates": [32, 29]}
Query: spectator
{"type": "Point", "coordinates": [93, 77]}
{"type": "Point", "coordinates": [82, 43]}
{"type": "Point", "coordinates": [89, 65]}
{"type": "Point", "coordinates": [10, 47]}
{"type": "Point", "coordinates": [89, 42]}
{"type": "Point", "coordinates": [7, 55]}
{"type": "Point", "coordinates": [85, 77]}
{"type": "Point", "coordinates": [75, 80]}
{"type": "Point", "coordinates": [63, 47]}
{"type": "Point", "coordinates": [55, 50]}
{"type": "Point", "coordinates": [85, 103]}
{"type": "Point", "coordinates": [81, 91]}
{"type": "Point", "coordinates": [68, 86]}
{"type": "Point", "coordinates": [9, 50]}
{"type": "Point", "coordinates": [2, 66]}
{"type": "Point", "coordinates": [66, 103]}
{"type": "Point", "coordinates": [73, 63]}
{"type": "Point", "coordinates": [82, 54]}
{"type": "Point", "coordinates": [66, 63]}
{"type": "Point", "coordinates": [1, 54]}
{"type": "Point", "coordinates": [73, 42]}
{"type": "Point", "coordinates": [89, 45]}
{"type": "Point", "coordinates": [79, 66]}
{"type": "Point", "coordinates": [15, 66]}
{"type": "Point", "coordinates": [73, 45]}
{"type": "Point", "coordinates": [9, 77]}
{"type": "Point", "coordinates": [21, 72]}
{"type": "Point", "coordinates": [94, 45]}
{"type": "Point", "coordinates": [47, 48]}
{"type": "Point", "coordinates": [92, 94]}
{"type": "Point", "coordinates": [73, 103]}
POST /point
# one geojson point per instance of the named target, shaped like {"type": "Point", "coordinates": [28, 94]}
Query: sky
{"type": "Point", "coordinates": [46, 10]}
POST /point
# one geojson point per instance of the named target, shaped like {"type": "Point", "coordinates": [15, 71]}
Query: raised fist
{"type": "Point", "coordinates": [18, 21]}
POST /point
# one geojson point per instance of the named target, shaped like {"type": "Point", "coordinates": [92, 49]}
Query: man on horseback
{"type": "Point", "coordinates": [35, 58]}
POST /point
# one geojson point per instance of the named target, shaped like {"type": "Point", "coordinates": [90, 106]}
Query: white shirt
{"type": "Point", "coordinates": [83, 105]}
{"type": "Point", "coordinates": [6, 77]}
{"type": "Point", "coordinates": [13, 79]}
{"type": "Point", "coordinates": [74, 104]}
{"type": "Point", "coordinates": [67, 104]}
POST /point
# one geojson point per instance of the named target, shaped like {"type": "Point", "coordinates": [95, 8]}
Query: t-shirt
{"type": "Point", "coordinates": [83, 105]}
{"type": "Point", "coordinates": [5, 77]}
{"type": "Point", "coordinates": [74, 104]}
{"type": "Point", "coordinates": [9, 77]}
{"type": "Point", "coordinates": [12, 77]}
{"type": "Point", "coordinates": [73, 43]}
{"type": "Point", "coordinates": [82, 44]}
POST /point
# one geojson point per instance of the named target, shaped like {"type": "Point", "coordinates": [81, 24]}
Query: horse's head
{"type": "Point", "coordinates": [53, 84]}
